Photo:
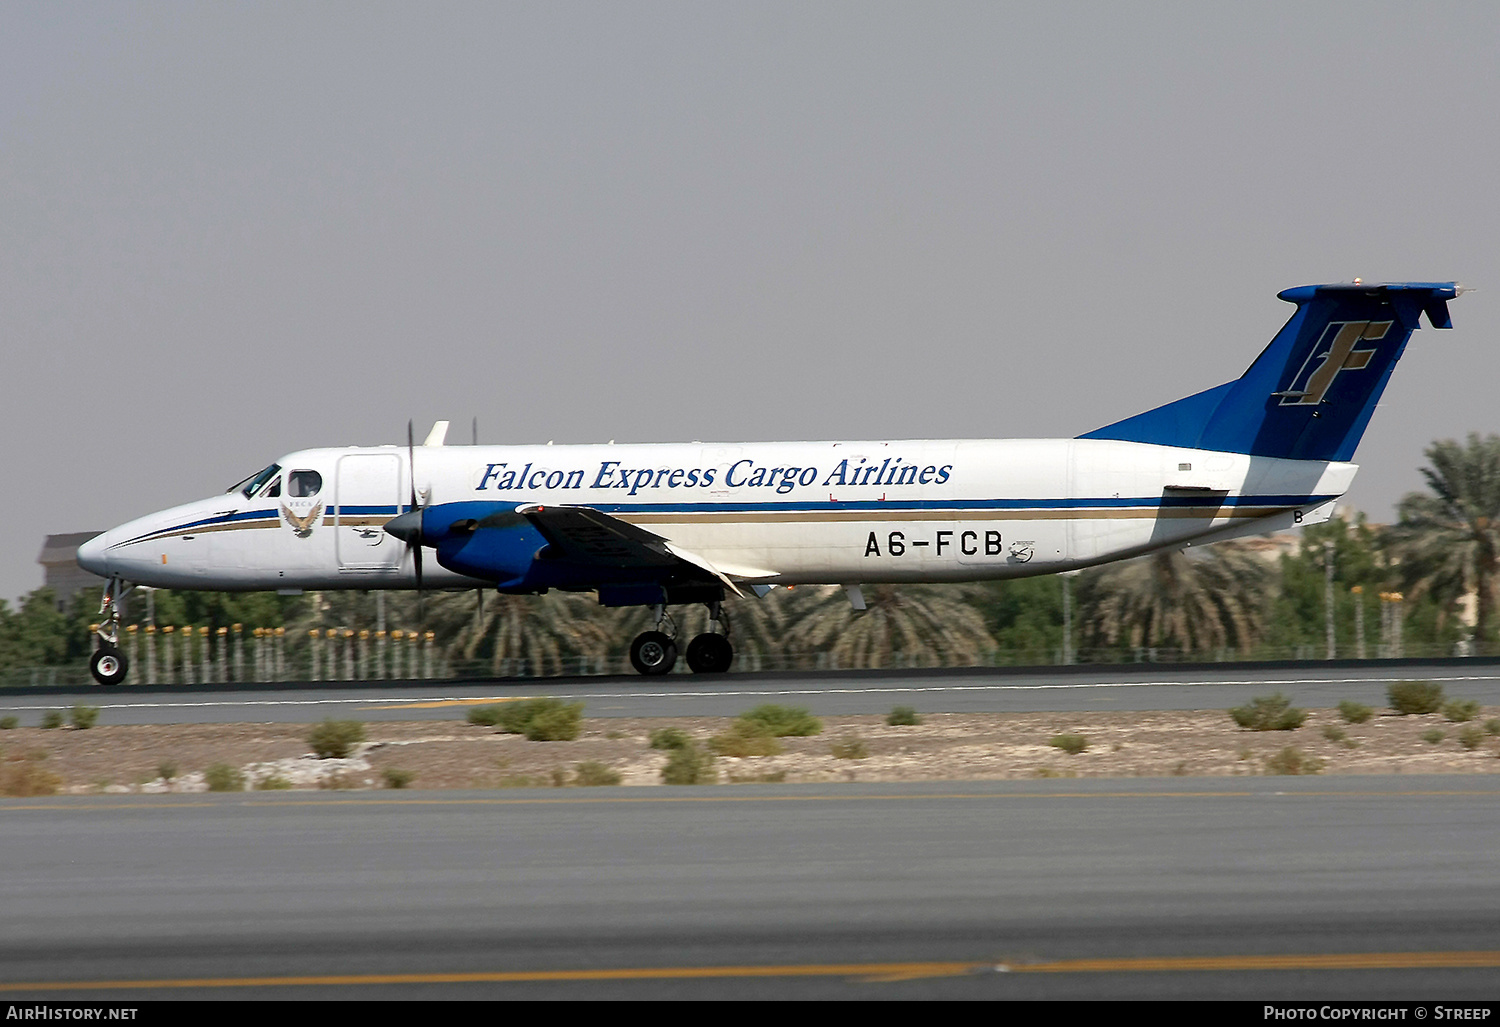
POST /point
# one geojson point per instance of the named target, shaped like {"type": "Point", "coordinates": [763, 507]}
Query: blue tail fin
{"type": "Point", "coordinates": [1310, 393]}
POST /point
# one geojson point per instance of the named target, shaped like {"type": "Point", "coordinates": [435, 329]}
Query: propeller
{"type": "Point", "coordinates": [408, 526]}
{"type": "Point", "coordinates": [416, 543]}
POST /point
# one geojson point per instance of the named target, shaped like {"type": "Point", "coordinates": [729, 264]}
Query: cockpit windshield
{"type": "Point", "coordinates": [249, 486]}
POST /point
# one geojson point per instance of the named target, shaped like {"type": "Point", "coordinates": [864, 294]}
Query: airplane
{"type": "Point", "coordinates": [700, 523]}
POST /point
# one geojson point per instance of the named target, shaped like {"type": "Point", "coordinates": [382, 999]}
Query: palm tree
{"type": "Point", "coordinates": [930, 625]}
{"type": "Point", "coordinates": [1447, 542]}
{"type": "Point", "coordinates": [1215, 597]}
{"type": "Point", "coordinates": [542, 630]}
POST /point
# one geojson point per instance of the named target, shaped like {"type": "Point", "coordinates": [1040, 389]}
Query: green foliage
{"type": "Point", "coordinates": [592, 773]}
{"type": "Point", "coordinates": [166, 770]}
{"type": "Point", "coordinates": [902, 716]}
{"type": "Point", "coordinates": [541, 720]}
{"type": "Point", "coordinates": [1353, 712]}
{"type": "Point", "coordinates": [1445, 539]}
{"type": "Point", "coordinates": [746, 738]}
{"type": "Point", "coordinates": [9, 723]}
{"type": "Point", "coordinates": [274, 783]}
{"type": "Point", "coordinates": [1461, 711]}
{"type": "Point", "coordinates": [1269, 713]}
{"type": "Point", "coordinates": [52, 719]}
{"type": "Point", "coordinates": [851, 748]}
{"type": "Point", "coordinates": [783, 721]}
{"type": "Point", "coordinates": [690, 766]}
{"type": "Point", "coordinates": [1292, 760]}
{"type": "Point", "coordinates": [1471, 736]}
{"type": "Point", "coordinates": [1334, 734]}
{"type": "Point", "coordinates": [1415, 697]}
{"type": "Point", "coordinates": [221, 777]}
{"type": "Point", "coordinates": [1023, 615]}
{"type": "Point", "coordinates": [394, 777]}
{"type": "Point", "coordinates": [1204, 601]}
{"type": "Point", "coordinates": [39, 634]}
{"type": "Point", "coordinates": [670, 738]}
{"type": "Point", "coordinates": [914, 625]}
{"type": "Point", "coordinates": [1433, 735]}
{"type": "Point", "coordinates": [1297, 611]}
{"type": "Point", "coordinates": [560, 723]}
{"type": "Point", "coordinates": [84, 717]}
{"type": "Point", "coordinates": [335, 739]}
{"type": "Point", "coordinates": [484, 716]}
{"type": "Point", "coordinates": [1070, 744]}
{"type": "Point", "coordinates": [1492, 726]}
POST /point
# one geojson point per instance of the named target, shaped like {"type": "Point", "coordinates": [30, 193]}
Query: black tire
{"type": "Point", "coordinates": [709, 654]}
{"type": "Point", "coordinates": [653, 652]}
{"type": "Point", "coordinates": [108, 665]}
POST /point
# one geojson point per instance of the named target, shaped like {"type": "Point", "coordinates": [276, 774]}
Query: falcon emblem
{"type": "Point", "coordinates": [302, 526]}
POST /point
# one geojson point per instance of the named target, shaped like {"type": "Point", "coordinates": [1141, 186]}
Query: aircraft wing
{"type": "Point", "coordinates": [585, 535]}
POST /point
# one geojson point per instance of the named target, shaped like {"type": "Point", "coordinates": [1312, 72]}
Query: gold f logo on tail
{"type": "Point", "coordinates": [1323, 366]}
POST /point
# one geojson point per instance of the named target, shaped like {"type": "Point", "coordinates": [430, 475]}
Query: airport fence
{"type": "Point", "coordinates": [198, 655]}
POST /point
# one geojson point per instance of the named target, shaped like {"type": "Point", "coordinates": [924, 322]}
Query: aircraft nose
{"type": "Point", "coordinates": [92, 556]}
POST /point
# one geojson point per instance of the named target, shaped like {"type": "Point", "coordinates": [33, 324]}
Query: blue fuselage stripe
{"type": "Point", "coordinates": [919, 506]}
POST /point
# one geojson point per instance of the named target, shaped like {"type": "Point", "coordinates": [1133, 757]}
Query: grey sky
{"type": "Point", "coordinates": [230, 231]}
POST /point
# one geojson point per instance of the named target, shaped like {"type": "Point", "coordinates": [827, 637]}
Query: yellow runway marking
{"type": "Point", "coordinates": [867, 972]}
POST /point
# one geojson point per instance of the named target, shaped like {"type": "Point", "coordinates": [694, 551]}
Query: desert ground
{"type": "Point", "coordinates": [432, 755]}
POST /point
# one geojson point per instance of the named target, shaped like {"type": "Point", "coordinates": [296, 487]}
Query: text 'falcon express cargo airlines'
{"type": "Point", "coordinates": [661, 525]}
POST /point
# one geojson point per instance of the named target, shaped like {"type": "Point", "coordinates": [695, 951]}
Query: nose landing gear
{"type": "Point", "coordinates": [108, 665]}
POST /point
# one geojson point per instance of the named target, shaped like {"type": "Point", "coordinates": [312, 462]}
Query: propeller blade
{"type": "Point", "coordinates": [414, 540]}
{"type": "Point", "coordinates": [411, 462]}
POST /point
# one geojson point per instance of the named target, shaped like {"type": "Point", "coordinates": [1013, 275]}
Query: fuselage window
{"type": "Point", "coordinates": [303, 484]}
{"type": "Point", "coordinates": [251, 484]}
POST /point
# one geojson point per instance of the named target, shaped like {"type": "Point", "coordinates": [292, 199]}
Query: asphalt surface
{"type": "Point", "coordinates": [1358, 888]}
{"type": "Point", "coordinates": [1061, 689]}
{"type": "Point", "coordinates": [1261, 889]}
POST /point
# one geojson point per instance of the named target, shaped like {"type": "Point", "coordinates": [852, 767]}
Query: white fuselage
{"type": "Point", "coordinates": [764, 513]}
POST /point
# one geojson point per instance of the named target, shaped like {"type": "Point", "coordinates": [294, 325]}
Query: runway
{"type": "Point", "coordinates": [1256, 888]}
{"type": "Point", "coordinates": [1061, 689]}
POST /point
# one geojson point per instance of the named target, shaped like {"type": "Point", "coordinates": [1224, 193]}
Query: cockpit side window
{"type": "Point", "coordinates": [272, 490]}
{"type": "Point", "coordinates": [249, 486]}
{"type": "Point", "coordinates": [303, 484]}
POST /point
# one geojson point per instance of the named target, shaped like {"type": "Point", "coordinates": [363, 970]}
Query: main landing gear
{"type": "Point", "coordinates": [655, 652]}
{"type": "Point", "coordinates": [108, 665]}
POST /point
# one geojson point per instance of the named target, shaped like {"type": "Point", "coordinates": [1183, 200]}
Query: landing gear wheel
{"type": "Point", "coordinates": [709, 654]}
{"type": "Point", "coordinates": [653, 652]}
{"type": "Point", "coordinates": [108, 665]}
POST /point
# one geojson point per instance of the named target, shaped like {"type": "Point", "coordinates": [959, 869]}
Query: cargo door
{"type": "Point", "coordinates": [367, 494]}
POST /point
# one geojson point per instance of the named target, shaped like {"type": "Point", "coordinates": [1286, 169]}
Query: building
{"type": "Point", "coordinates": [60, 570]}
